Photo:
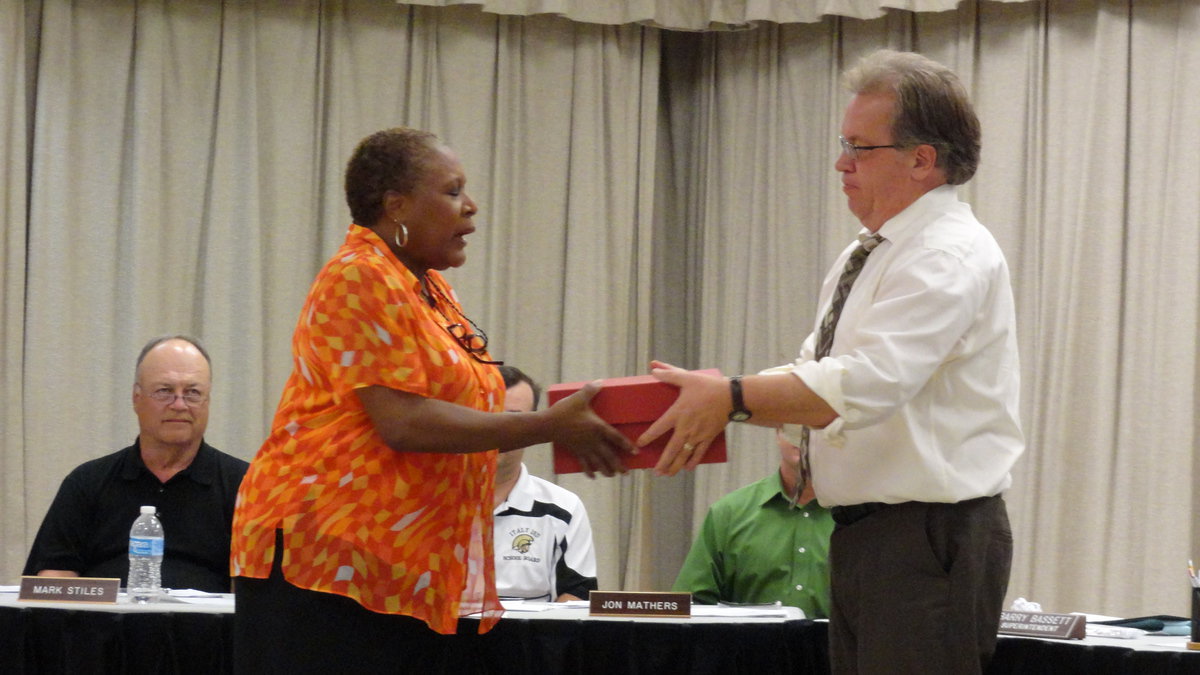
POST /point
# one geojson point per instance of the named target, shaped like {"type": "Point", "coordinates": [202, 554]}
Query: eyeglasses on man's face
{"type": "Point", "coordinates": [851, 150]}
{"type": "Point", "coordinates": [190, 396]}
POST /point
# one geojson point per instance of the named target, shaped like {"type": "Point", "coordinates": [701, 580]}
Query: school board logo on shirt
{"type": "Point", "coordinates": [522, 542]}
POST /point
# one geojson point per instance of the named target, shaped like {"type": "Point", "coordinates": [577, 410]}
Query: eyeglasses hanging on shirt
{"type": "Point", "coordinates": [474, 342]}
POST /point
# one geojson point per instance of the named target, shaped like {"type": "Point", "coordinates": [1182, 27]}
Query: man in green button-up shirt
{"type": "Point", "coordinates": [756, 547]}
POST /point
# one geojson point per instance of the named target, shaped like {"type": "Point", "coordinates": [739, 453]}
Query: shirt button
{"type": "Point", "coordinates": [799, 587]}
{"type": "Point", "coordinates": [801, 549]}
{"type": "Point", "coordinates": [805, 514]}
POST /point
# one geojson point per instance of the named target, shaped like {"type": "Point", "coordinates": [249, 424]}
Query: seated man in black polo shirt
{"type": "Point", "coordinates": [192, 484]}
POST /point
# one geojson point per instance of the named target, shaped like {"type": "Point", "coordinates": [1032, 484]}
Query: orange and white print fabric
{"type": "Point", "coordinates": [400, 532]}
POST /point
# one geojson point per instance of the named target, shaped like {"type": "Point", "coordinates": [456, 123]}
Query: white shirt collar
{"type": "Point", "coordinates": [519, 497]}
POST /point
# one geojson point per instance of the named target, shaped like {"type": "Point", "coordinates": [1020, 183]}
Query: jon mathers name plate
{"type": "Point", "coordinates": [629, 603]}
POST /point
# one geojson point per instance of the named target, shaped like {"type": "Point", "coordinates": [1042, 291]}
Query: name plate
{"type": "Point", "coordinates": [69, 589]}
{"type": "Point", "coordinates": [628, 603]}
{"type": "Point", "coordinates": [1044, 625]}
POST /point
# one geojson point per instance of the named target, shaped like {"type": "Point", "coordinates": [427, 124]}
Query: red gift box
{"type": "Point", "coordinates": [631, 404]}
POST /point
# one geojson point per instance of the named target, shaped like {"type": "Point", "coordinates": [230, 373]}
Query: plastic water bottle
{"type": "Point", "coordinates": [145, 557]}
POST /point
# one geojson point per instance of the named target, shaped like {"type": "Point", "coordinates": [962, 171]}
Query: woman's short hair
{"type": "Point", "coordinates": [392, 159]}
{"type": "Point", "coordinates": [932, 107]}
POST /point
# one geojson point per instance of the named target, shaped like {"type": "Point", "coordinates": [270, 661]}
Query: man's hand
{"type": "Point", "coordinates": [697, 416]}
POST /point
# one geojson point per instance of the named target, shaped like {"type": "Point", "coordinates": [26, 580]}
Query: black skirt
{"type": "Point", "coordinates": [280, 628]}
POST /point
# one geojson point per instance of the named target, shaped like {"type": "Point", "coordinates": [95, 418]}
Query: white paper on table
{"type": "Point", "coordinates": [542, 605]}
{"type": "Point", "coordinates": [191, 593]}
{"type": "Point", "coordinates": [1120, 632]}
{"type": "Point", "coordinates": [1094, 618]}
{"type": "Point", "coordinates": [726, 611]}
{"type": "Point", "coordinates": [192, 596]}
{"type": "Point", "coordinates": [527, 605]}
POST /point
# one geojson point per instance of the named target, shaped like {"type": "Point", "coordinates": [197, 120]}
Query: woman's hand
{"type": "Point", "coordinates": [697, 416]}
{"type": "Point", "coordinates": [594, 442]}
{"type": "Point", "coordinates": [411, 423]}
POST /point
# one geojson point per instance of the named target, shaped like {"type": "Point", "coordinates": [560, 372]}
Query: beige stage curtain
{"type": "Point", "coordinates": [176, 167]}
{"type": "Point", "coordinates": [14, 162]}
{"type": "Point", "coordinates": [1089, 181]}
{"type": "Point", "coordinates": [186, 176]}
{"type": "Point", "coordinates": [703, 14]}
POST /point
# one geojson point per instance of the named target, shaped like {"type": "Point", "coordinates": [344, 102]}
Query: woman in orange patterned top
{"type": "Point", "coordinates": [365, 519]}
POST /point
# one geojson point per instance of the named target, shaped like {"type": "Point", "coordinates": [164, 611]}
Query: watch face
{"type": "Point", "coordinates": [739, 416]}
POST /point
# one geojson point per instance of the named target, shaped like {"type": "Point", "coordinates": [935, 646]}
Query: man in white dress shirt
{"type": "Point", "coordinates": [542, 535]}
{"type": "Point", "coordinates": [909, 398]}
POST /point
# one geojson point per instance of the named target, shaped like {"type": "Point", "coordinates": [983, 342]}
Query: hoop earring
{"type": "Point", "coordinates": [396, 235]}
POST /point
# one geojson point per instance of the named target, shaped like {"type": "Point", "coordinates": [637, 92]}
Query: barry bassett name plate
{"type": "Point", "coordinates": [69, 589]}
{"type": "Point", "coordinates": [629, 603]}
{"type": "Point", "coordinates": [1044, 625]}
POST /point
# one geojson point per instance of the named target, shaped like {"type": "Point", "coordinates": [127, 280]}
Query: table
{"type": "Point", "coordinates": [1146, 655]}
{"type": "Point", "coordinates": [196, 636]}
{"type": "Point", "coordinates": [184, 636]}
{"type": "Point", "coordinates": [569, 641]}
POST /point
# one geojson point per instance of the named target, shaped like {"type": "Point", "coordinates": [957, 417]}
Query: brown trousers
{"type": "Point", "coordinates": [918, 588]}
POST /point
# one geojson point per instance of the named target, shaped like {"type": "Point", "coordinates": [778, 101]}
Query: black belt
{"type": "Point", "coordinates": [848, 515]}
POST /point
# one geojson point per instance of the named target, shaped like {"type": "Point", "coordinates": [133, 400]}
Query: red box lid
{"type": "Point", "coordinates": [631, 404]}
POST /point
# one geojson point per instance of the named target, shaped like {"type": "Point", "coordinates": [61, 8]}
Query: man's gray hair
{"type": "Point", "coordinates": [154, 342]}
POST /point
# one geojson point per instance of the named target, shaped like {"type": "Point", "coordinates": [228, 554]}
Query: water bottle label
{"type": "Point", "coordinates": [145, 546]}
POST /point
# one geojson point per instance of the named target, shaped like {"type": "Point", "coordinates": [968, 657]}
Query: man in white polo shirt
{"type": "Point", "coordinates": [542, 535]}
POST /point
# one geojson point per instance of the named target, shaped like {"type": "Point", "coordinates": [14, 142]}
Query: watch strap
{"type": "Point", "coordinates": [739, 412]}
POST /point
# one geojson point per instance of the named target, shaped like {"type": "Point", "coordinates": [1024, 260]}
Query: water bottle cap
{"type": "Point", "coordinates": [148, 509]}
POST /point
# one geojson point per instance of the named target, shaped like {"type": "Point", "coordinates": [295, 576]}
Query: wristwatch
{"type": "Point", "coordinates": [739, 412]}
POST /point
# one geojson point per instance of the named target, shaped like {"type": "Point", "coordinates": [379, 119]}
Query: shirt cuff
{"type": "Point", "coordinates": [824, 377]}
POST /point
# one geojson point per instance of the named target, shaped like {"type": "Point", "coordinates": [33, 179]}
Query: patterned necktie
{"type": "Point", "coordinates": [854, 265]}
